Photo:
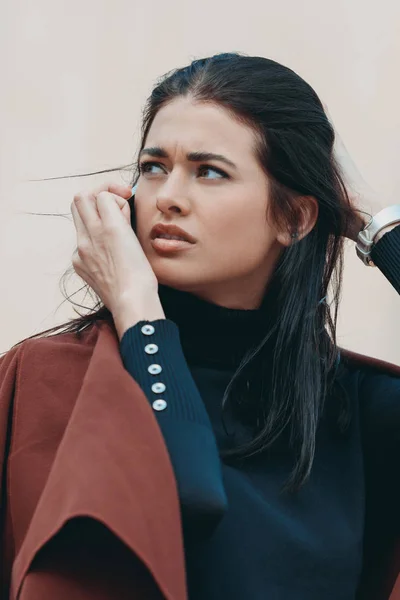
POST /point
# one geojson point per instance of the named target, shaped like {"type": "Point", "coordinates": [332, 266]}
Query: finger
{"type": "Point", "coordinates": [121, 201]}
{"type": "Point", "coordinates": [87, 209]}
{"type": "Point", "coordinates": [124, 207]}
{"type": "Point", "coordinates": [79, 224]}
{"type": "Point", "coordinates": [109, 205]}
{"type": "Point", "coordinates": [125, 191]}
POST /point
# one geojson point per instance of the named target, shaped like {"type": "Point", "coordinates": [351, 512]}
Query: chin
{"type": "Point", "coordinates": [173, 275]}
{"type": "Point", "coordinates": [179, 283]}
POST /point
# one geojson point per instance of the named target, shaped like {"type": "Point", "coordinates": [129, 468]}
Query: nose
{"type": "Point", "coordinates": [171, 199]}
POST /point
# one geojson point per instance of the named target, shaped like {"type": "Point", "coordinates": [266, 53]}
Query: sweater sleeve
{"type": "Point", "coordinates": [380, 395]}
{"type": "Point", "coordinates": [386, 256]}
{"type": "Point", "coordinates": [152, 353]}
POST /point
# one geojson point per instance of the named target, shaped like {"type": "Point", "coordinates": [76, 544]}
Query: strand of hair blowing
{"type": "Point", "coordinates": [294, 145]}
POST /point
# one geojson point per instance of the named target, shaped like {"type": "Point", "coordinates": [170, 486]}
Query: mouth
{"type": "Point", "coordinates": [170, 236]}
{"type": "Point", "coordinates": [170, 244]}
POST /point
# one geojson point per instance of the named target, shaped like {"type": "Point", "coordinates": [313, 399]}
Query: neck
{"type": "Point", "coordinates": [245, 293]}
{"type": "Point", "coordinates": [230, 295]}
{"type": "Point", "coordinates": [212, 333]}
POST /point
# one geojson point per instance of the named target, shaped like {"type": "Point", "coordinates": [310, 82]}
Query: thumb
{"type": "Point", "coordinates": [125, 191]}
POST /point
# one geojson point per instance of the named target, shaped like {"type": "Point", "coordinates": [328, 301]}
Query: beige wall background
{"type": "Point", "coordinates": [75, 75]}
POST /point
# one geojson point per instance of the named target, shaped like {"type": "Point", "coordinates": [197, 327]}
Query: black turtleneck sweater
{"type": "Point", "coordinates": [244, 540]}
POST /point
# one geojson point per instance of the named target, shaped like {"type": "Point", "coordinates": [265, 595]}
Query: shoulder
{"type": "Point", "coordinates": [371, 375]}
{"type": "Point", "coordinates": [369, 364]}
{"type": "Point", "coordinates": [42, 353]}
{"type": "Point", "coordinates": [378, 384]}
{"type": "Point", "coordinates": [40, 379]}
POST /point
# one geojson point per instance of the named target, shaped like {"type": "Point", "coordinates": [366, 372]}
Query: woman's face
{"type": "Point", "coordinates": [222, 206]}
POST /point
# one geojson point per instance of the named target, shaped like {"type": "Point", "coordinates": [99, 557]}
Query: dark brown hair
{"type": "Point", "coordinates": [295, 148]}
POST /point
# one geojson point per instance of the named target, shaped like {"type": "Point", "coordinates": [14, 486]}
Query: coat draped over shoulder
{"type": "Point", "coordinates": [89, 502]}
{"type": "Point", "coordinates": [90, 508]}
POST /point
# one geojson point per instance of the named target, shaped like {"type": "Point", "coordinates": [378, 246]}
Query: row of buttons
{"type": "Point", "coordinates": [154, 369]}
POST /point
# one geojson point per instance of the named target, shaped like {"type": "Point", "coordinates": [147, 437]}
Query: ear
{"type": "Point", "coordinates": [307, 215]}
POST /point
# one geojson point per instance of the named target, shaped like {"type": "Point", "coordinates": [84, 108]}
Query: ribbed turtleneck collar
{"type": "Point", "coordinates": [213, 335]}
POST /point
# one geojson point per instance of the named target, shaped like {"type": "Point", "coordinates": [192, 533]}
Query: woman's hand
{"type": "Point", "coordinates": [110, 258]}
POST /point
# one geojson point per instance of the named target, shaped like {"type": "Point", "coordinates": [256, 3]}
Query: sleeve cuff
{"type": "Point", "coordinates": [386, 256]}
{"type": "Point", "coordinates": [162, 353]}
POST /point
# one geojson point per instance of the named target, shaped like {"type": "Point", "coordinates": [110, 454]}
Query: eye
{"type": "Point", "coordinates": [221, 174]}
{"type": "Point", "coordinates": [146, 166]}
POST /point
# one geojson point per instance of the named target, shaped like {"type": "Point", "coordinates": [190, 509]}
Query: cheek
{"type": "Point", "coordinates": [143, 221]}
{"type": "Point", "coordinates": [241, 232]}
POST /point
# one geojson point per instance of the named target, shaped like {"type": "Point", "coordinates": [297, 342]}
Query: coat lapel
{"type": "Point", "coordinates": [101, 470]}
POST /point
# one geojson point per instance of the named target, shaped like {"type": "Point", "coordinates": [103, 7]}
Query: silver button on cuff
{"type": "Point", "coordinates": [154, 369]}
{"type": "Point", "coordinates": [147, 329]}
{"type": "Point", "coordinates": [151, 349]}
{"type": "Point", "coordinates": [158, 388]}
{"type": "Point", "coordinates": [159, 404]}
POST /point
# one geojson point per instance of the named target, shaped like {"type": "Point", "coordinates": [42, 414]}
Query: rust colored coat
{"type": "Point", "coordinates": [89, 503]}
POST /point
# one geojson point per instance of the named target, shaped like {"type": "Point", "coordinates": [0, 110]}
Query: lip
{"type": "Point", "coordinates": [171, 230]}
{"type": "Point", "coordinates": [163, 246]}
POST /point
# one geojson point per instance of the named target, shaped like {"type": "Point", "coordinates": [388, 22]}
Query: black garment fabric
{"type": "Point", "coordinates": [385, 255]}
{"type": "Point", "coordinates": [243, 538]}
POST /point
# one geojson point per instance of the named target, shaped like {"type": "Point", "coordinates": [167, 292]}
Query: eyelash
{"type": "Point", "coordinates": [143, 165]}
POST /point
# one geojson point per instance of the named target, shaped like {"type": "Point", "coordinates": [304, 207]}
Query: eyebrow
{"type": "Point", "coordinates": [158, 152]}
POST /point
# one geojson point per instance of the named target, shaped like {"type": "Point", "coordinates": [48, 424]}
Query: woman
{"type": "Point", "coordinates": [282, 448]}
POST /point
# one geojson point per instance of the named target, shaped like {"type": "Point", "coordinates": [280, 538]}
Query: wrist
{"type": "Point", "coordinates": [386, 230]}
{"type": "Point", "coordinates": [129, 312]}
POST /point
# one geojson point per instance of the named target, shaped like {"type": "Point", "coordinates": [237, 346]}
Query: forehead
{"type": "Point", "coordinates": [195, 126]}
